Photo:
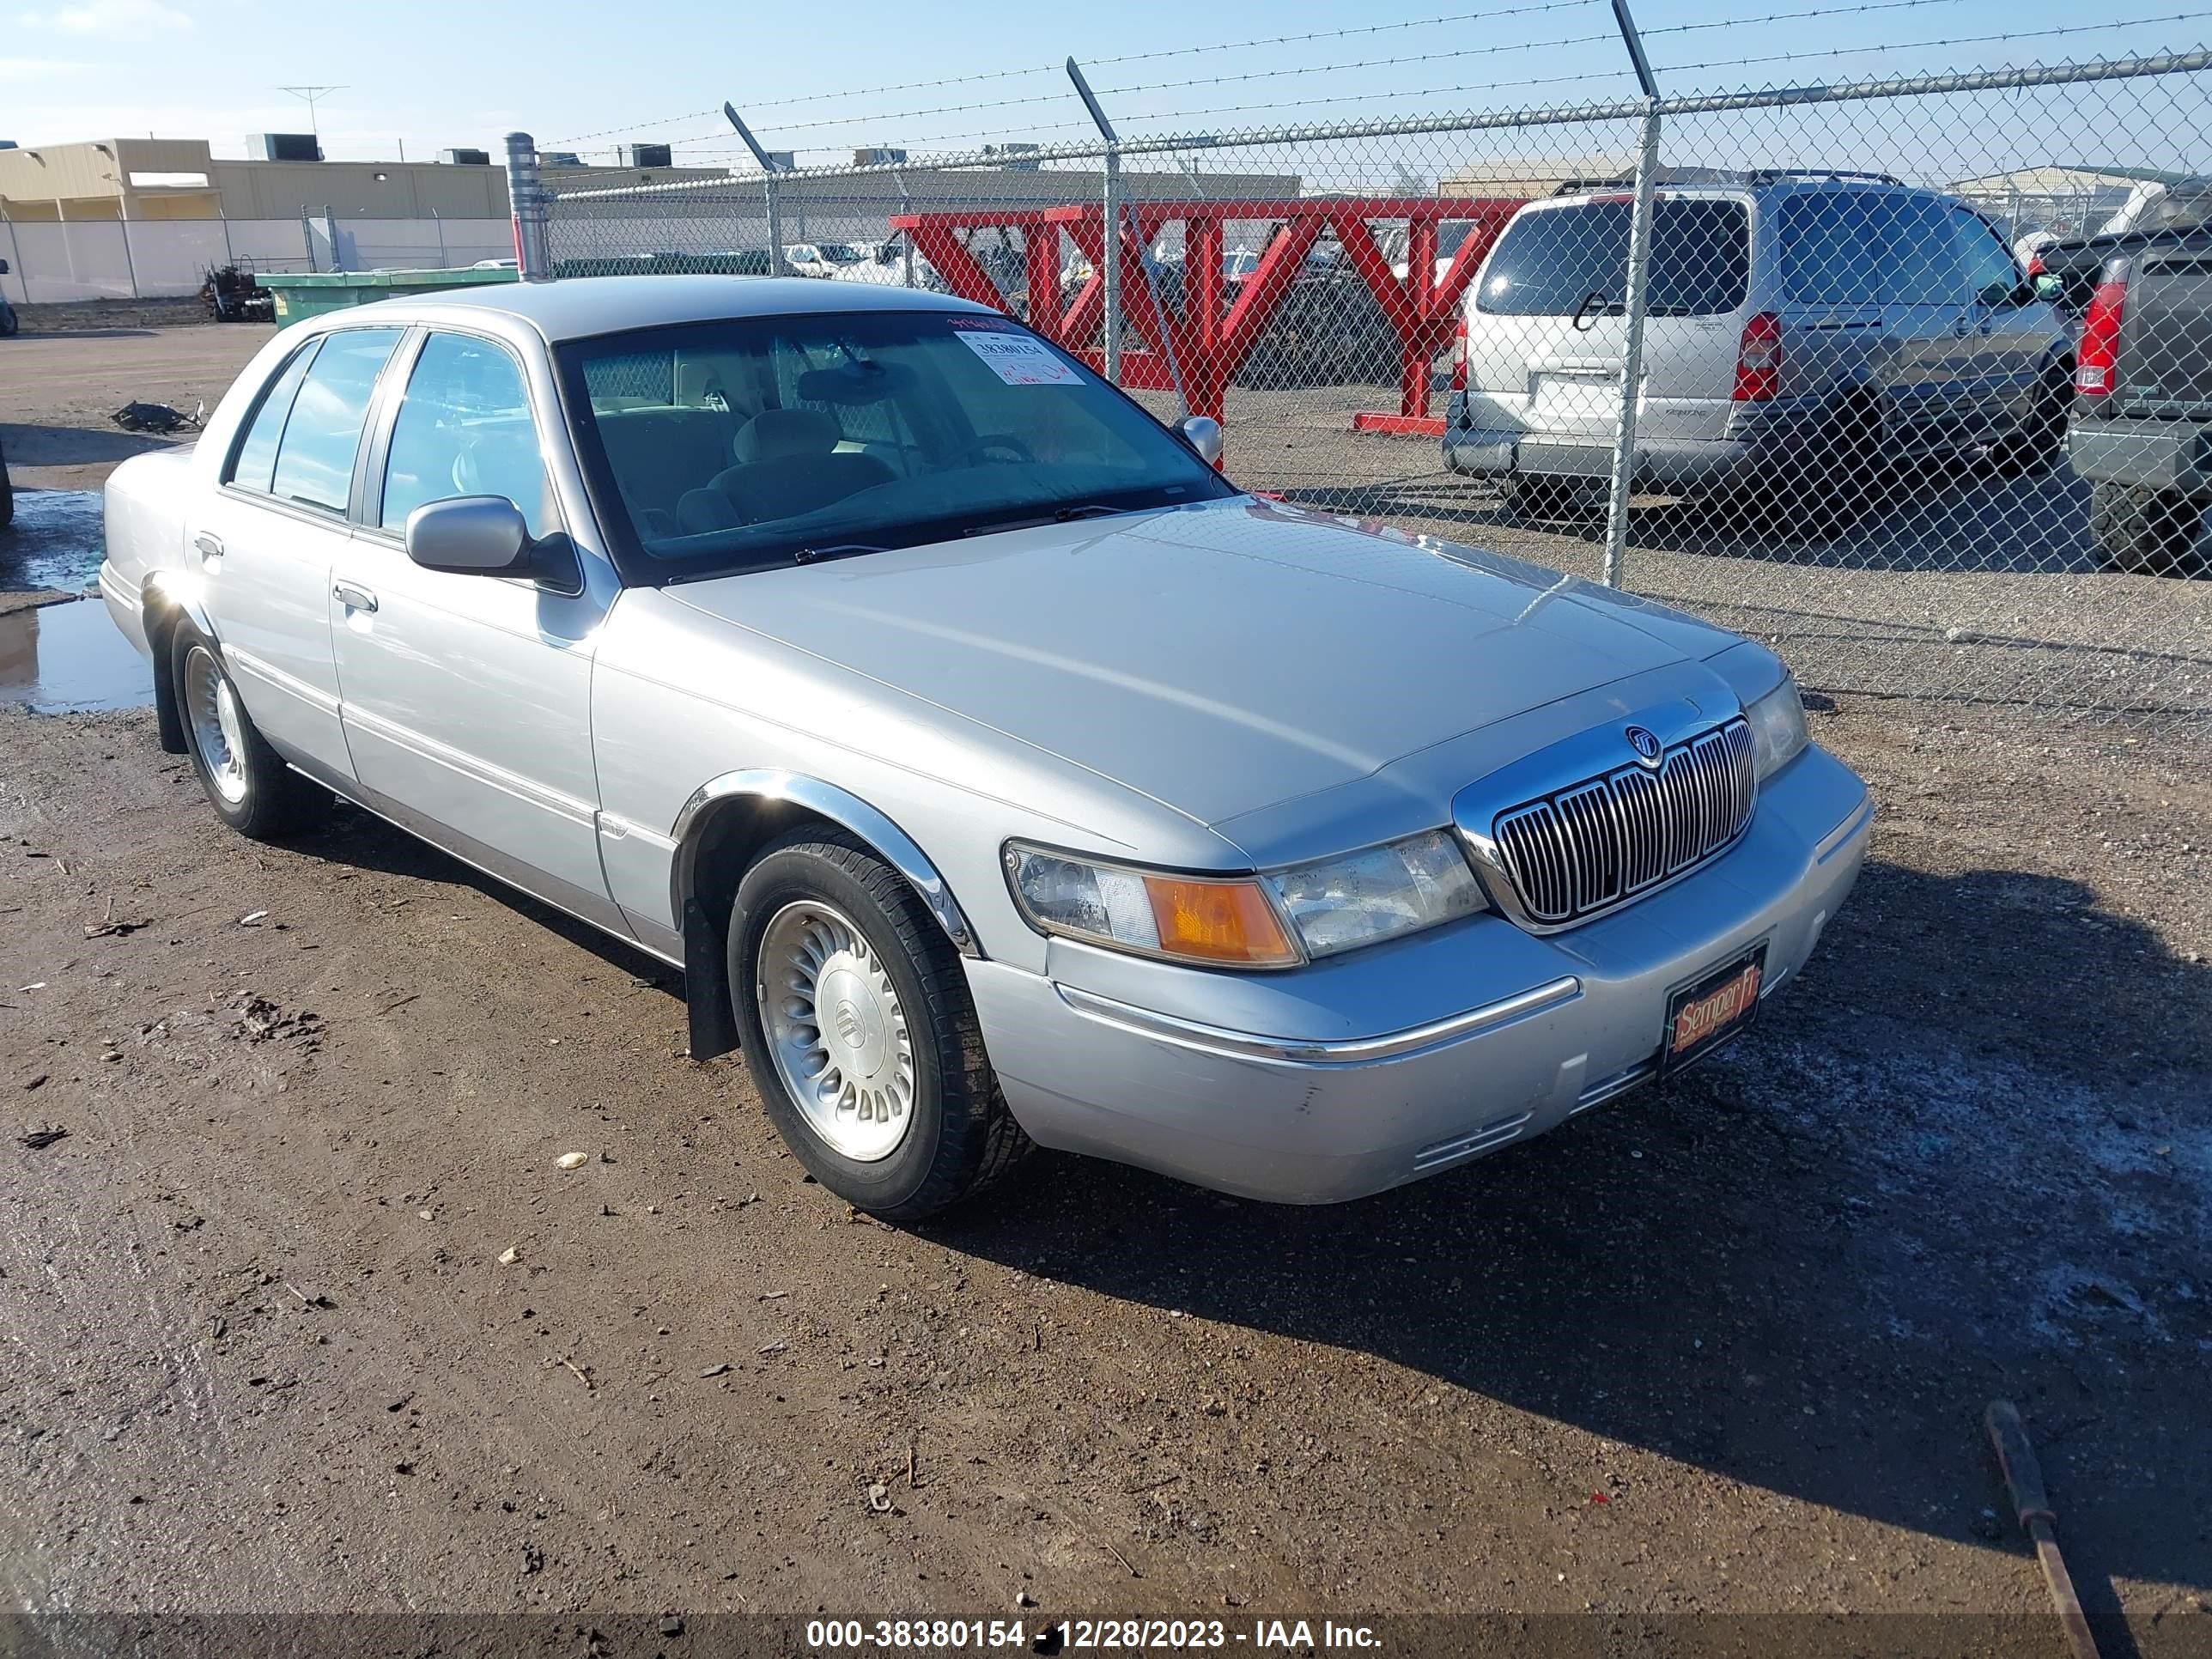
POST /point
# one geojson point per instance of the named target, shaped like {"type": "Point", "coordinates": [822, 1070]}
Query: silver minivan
{"type": "Point", "coordinates": [1802, 330]}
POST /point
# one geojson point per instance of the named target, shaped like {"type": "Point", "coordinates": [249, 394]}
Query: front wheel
{"type": "Point", "coordinates": [856, 1023]}
{"type": "Point", "coordinates": [247, 782]}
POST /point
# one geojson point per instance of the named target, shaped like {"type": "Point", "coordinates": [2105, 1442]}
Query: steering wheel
{"type": "Point", "coordinates": [980, 450]}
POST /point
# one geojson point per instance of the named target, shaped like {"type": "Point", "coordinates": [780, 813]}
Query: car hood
{"type": "Point", "coordinates": [1219, 658]}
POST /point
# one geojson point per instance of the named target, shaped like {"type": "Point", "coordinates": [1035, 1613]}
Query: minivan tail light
{"type": "Point", "coordinates": [1758, 360]}
{"type": "Point", "coordinates": [1459, 355]}
{"type": "Point", "coordinates": [2097, 354]}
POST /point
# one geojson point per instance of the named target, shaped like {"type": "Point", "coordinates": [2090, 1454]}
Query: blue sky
{"type": "Point", "coordinates": [823, 77]}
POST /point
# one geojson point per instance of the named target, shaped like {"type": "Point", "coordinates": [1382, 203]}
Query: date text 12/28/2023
{"type": "Point", "coordinates": [1084, 1635]}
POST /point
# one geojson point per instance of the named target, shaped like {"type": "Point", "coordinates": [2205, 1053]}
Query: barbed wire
{"type": "Point", "coordinates": [1125, 57]}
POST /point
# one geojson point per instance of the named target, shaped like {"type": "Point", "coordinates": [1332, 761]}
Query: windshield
{"type": "Point", "coordinates": [757, 440]}
{"type": "Point", "coordinates": [1562, 262]}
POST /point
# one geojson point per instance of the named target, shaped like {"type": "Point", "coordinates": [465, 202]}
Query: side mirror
{"type": "Point", "coordinates": [2048, 287]}
{"type": "Point", "coordinates": [470, 536]}
{"type": "Point", "coordinates": [1203, 434]}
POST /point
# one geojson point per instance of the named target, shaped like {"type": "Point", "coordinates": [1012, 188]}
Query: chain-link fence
{"type": "Point", "coordinates": [1911, 377]}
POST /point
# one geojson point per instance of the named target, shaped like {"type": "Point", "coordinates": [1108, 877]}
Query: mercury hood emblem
{"type": "Point", "coordinates": [1647, 746]}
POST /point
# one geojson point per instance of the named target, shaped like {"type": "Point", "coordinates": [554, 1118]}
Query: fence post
{"type": "Point", "coordinates": [771, 190]}
{"type": "Point", "coordinates": [1110, 273]}
{"type": "Point", "coordinates": [1635, 303]}
{"type": "Point", "coordinates": [532, 213]}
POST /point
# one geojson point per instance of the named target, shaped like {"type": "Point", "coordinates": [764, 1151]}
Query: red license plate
{"type": "Point", "coordinates": [1705, 1013]}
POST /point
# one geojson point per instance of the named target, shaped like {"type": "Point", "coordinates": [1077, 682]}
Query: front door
{"type": "Point", "coordinates": [467, 698]}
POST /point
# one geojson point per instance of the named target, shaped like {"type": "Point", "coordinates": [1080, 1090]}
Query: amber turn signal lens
{"type": "Point", "coordinates": [1225, 922]}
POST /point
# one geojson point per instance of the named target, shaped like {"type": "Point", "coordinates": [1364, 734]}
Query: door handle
{"type": "Point", "coordinates": [208, 544]}
{"type": "Point", "coordinates": [357, 598]}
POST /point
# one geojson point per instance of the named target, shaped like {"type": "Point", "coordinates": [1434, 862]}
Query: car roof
{"type": "Point", "coordinates": [576, 307]}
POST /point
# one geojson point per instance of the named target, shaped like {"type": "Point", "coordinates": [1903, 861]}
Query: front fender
{"type": "Point", "coordinates": [736, 791]}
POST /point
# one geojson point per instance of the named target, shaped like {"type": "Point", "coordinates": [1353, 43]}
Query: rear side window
{"type": "Point", "coordinates": [1559, 261]}
{"type": "Point", "coordinates": [314, 461]}
{"type": "Point", "coordinates": [257, 455]}
{"type": "Point", "coordinates": [1834, 245]}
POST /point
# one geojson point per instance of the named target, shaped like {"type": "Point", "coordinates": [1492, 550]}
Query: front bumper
{"type": "Point", "coordinates": [1309, 1113]}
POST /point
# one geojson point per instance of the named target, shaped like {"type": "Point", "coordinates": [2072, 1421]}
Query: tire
{"type": "Point", "coordinates": [939, 1131]}
{"type": "Point", "coordinates": [247, 782]}
{"type": "Point", "coordinates": [1827, 492]}
{"type": "Point", "coordinates": [2146, 533]}
{"type": "Point", "coordinates": [7, 496]}
{"type": "Point", "coordinates": [2035, 448]}
{"type": "Point", "coordinates": [9, 322]}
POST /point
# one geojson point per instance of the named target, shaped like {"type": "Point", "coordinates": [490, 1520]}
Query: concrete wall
{"type": "Point", "coordinates": [58, 263]}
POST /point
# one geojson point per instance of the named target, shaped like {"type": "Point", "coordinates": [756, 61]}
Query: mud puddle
{"type": "Point", "coordinates": [70, 659]}
{"type": "Point", "coordinates": [56, 541]}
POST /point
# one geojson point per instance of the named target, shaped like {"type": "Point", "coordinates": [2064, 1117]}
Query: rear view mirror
{"type": "Point", "coordinates": [470, 536]}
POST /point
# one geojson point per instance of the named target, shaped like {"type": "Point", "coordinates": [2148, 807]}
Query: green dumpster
{"type": "Point", "coordinates": [310, 294]}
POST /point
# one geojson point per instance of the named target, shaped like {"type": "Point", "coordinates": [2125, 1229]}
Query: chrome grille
{"type": "Point", "coordinates": [1586, 847]}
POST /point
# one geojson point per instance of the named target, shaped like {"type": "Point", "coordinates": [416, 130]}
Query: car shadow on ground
{"type": "Point", "coordinates": [76, 445]}
{"type": "Point", "coordinates": [1965, 1157]}
{"type": "Point", "coordinates": [1809, 1265]}
{"type": "Point", "coordinates": [1950, 517]}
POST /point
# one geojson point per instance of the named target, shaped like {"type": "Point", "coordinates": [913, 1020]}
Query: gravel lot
{"type": "Point", "coordinates": [1720, 1348]}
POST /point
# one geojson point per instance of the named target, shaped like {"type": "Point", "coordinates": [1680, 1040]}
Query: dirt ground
{"type": "Point", "coordinates": [1720, 1348]}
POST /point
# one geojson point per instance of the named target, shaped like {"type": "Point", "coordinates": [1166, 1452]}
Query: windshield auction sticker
{"type": "Point", "coordinates": [1017, 358]}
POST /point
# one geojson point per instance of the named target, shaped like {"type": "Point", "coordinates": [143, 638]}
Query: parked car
{"type": "Point", "coordinates": [822, 259]}
{"type": "Point", "coordinates": [9, 322]}
{"type": "Point", "coordinates": [2163, 215]}
{"type": "Point", "coordinates": [2142, 427]}
{"type": "Point", "coordinates": [995, 770]}
{"type": "Point", "coordinates": [1803, 332]}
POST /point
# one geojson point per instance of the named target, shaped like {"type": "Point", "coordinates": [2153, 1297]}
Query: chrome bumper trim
{"type": "Point", "coordinates": [1352, 1051]}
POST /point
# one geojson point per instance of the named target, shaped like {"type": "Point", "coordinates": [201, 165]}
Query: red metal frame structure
{"type": "Point", "coordinates": [1208, 343]}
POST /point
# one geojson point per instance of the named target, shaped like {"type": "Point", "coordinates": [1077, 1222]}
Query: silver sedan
{"type": "Point", "coordinates": [997, 772]}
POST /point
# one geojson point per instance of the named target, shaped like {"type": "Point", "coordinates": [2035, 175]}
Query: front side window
{"type": "Point", "coordinates": [314, 461]}
{"type": "Point", "coordinates": [755, 441]}
{"type": "Point", "coordinates": [1562, 262]}
{"type": "Point", "coordinates": [465, 428]}
{"type": "Point", "coordinates": [1990, 275]}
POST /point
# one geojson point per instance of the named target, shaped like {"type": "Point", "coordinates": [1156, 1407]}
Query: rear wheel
{"type": "Point", "coordinates": [2149, 532]}
{"type": "Point", "coordinates": [855, 1019]}
{"type": "Point", "coordinates": [247, 782]}
{"type": "Point", "coordinates": [1827, 491]}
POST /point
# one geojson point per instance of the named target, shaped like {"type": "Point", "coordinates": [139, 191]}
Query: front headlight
{"type": "Point", "coordinates": [1221, 922]}
{"type": "Point", "coordinates": [1276, 920]}
{"type": "Point", "coordinates": [1396, 889]}
{"type": "Point", "coordinates": [1777, 728]}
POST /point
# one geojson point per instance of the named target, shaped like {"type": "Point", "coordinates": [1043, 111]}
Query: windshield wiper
{"type": "Point", "coordinates": [1057, 515]}
{"type": "Point", "coordinates": [834, 550]}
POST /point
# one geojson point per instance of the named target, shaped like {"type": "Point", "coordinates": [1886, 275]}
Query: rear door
{"type": "Point", "coordinates": [265, 542]}
{"type": "Point", "coordinates": [1547, 318]}
{"type": "Point", "coordinates": [1929, 326]}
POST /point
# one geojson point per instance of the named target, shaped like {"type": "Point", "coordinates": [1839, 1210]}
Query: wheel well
{"type": "Point", "coordinates": [160, 623]}
{"type": "Point", "coordinates": [724, 848]}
